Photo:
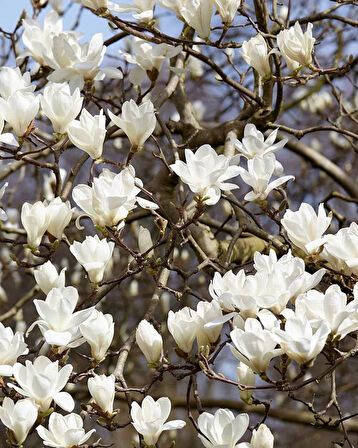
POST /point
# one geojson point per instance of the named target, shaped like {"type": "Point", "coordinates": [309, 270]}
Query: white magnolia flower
{"type": "Point", "coordinates": [142, 8]}
{"type": "Point", "coordinates": [246, 377]}
{"type": "Point", "coordinates": [148, 58]}
{"type": "Point", "coordinates": [150, 418]}
{"type": "Point", "coordinates": [207, 312]}
{"type": "Point", "coordinates": [173, 5]}
{"type": "Point", "coordinates": [332, 308]}
{"type": "Point", "coordinates": [98, 331]}
{"type": "Point", "coordinates": [255, 53]}
{"type": "Point", "coordinates": [59, 324]}
{"type": "Point", "coordinates": [149, 341]}
{"type": "Point", "coordinates": [94, 255]}
{"type": "Point", "coordinates": [145, 241]}
{"type": "Point", "coordinates": [341, 249]}
{"type": "Point", "coordinates": [254, 346]}
{"type": "Point", "coordinates": [206, 173]}
{"type": "Point", "coordinates": [138, 122]}
{"type": "Point", "coordinates": [197, 14]}
{"type": "Point", "coordinates": [182, 326]}
{"type": "Point", "coordinates": [59, 215]}
{"type": "Point", "coordinates": [37, 37]}
{"type": "Point", "coordinates": [47, 277]}
{"type": "Point", "coordinates": [3, 215]}
{"type": "Point", "coordinates": [295, 46]}
{"type": "Point", "coordinates": [88, 133]}
{"type": "Point", "coordinates": [12, 80]}
{"type": "Point", "coordinates": [64, 431]}
{"type": "Point", "coordinates": [42, 382]}
{"type": "Point", "coordinates": [7, 137]}
{"type": "Point", "coordinates": [222, 429]}
{"type": "Point", "coordinates": [34, 218]}
{"type": "Point", "coordinates": [94, 4]}
{"type": "Point", "coordinates": [19, 417]}
{"type": "Point", "coordinates": [300, 341]}
{"type": "Point", "coordinates": [60, 106]}
{"type": "Point", "coordinates": [102, 390]}
{"type": "Point", "coordinates": [262, 437]}
{"type": "Point", "coordinates": [11, 347]}
{"type": "Point", "coordinates": [305, 228]}
{"type": "Point", "coordinates": [227, 9]}
{"type": "Point", "coordinates": [19, 110]}
{"type": "Point", "coordinates": [111, 197]}
{"type": "Point", "coordinates": [258, 175]}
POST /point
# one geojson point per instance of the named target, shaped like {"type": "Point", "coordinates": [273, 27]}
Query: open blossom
{"type": "Point", "coordinates": [262, 437]}
{"type": "Point", "coordinates": [12, 80]}
{"type": "Point", "coordinates": [143, 9]}
{"type": "Point", "coordinates": [19, 110]}
{"type": "Point", "coordinates": [59, 323]}
{"type": "Point", "coordinates": [138, 122]}
{"type": "Point", "coordinates": [182, 326]}
{"type": "Point", "coordinates": [254, 346]}
{"type": "Point", "coordinates": [19, 417]}
{"type": "Point", "coordinates": [255, 53]}
{"type": "Point", "coordinates": [64, 431]}
{"type": "Point", "coordinates": [11, 347]}
{"type": "Point", "coordinates": [222, 429]}
{"type": "Point", "coordinates": [206, 173]}
{"type": "Point", "coordinates": [149, 418]}
{"type": "Point", "coordinates": [305, 228]}
{"type": "Point", "coordinates": [149, 341]}
{"type": "Point", "coordinates": [35, 220]}
{"type": "Point", "coordinates": [60, 106]}
{"type": "Point", "coordinates": [198, 14]}
{"type": "Point", "coordinates": [88, 133]}
{"type": "Point", "coordinates": [59, 215]}
{"type": "Point", "coordinates": [43, 382]}
{"type": "Point", "coordinates": [332, 308]}
{"type": "Point", "coordinates": [299, 340]}
{"type": "Point", "coordinates": [111, 197]}
{"type": "Point", "coordinates": [227, 9]}
{"type": "Point", "coordinates": [98, 330]}
{"type": "Point", "coordinates": [94, 255]}
{"type": "Point", "coordinates": [47, 277]}
{"type": "Point", "coordinates": [102, 390]}
{"type": "Point", "coordinates": [296, 46]}
{"type": "Point", "coordinates": [258, 175]}
{"type": "Point", "coordinates": [207, 312]}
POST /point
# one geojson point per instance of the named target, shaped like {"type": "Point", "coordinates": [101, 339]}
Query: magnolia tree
{"type": "Point", "coordinates": [179, 255]}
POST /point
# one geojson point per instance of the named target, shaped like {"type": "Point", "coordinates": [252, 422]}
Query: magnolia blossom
{"type": "Point", "coordinates": [145, 241]}
{"type": "Point", "coordinates": [138, 122]}
{"type": "Point", "coordinates": [149, 341]}
{"type": "Point", "coordinates": [94, 4]}
{"type": "Point", "coordinates": [197, 14]}
{"type": "Point", "coordinates": [102, 390]}
{"type": "Point", "coordinates": [88, 133]}
{"type": "Point", "coordinates": [11, 347]}
{"type": "Point", "coordinates": [34, 218]}
{"type": "Point", "coordinates": [19, 417]}
{"type": "Point", "coordinates": [149, 418]}
{"type": "Point", "coordinates": [206, 173]}
{"type": "Point", "coordinates": [142, 8]}
{"type": "Point", "coordinates": [258, 175]}
{"type": "Point", "coordinates": [111, 197]}
{"type": "Point", "coordinates": [227, 9]}
{"type": "Point", "coordinates": [19, 110]}
{"type": "Point", "coordinates": [246, 377]}
{"type": "Point", "coordinates": [59, 215]}
{"type": "Point", "coordinates": [148, 58]}
{"type": "Point", "coordinates": [12, 80]}
{"type": "Point", "coordinates": [3, 215]}
{"type": "Point", "coordinates": [262, 437]}
{"type": "Point", "coordinates": [295, 46]}
{"type": "Point", "coordinates": [47, 277]}
{"type": "Point", "coordinates": [255, 53]}
{"type": "Point", "coordinates": [182, 326]}
{"type": "Point", "coordinates": [42, 382]}
{"type": "Point", "coordinates": [332, 308]}
{"type": "Point", "coordinates": [98, 331]}
{"type": "Point", "coordinates": [207, 312]}
{"type": "Point", "coordinates": [305, 228]}
{"type": "Point", "coordinates": [254, 346]}
{"type": "Point", "coordinates": [300, 341]}
{"type": "Point", "coordinates": [60, 106]}
{"type": "Point", "coordinates": [7, 137]}
{"type": "Point", "coordinates": [173, 5]}
{"type": "Point", "coordinates": [222, 429]}
{"type": "Point", "coordinates": [59, 324]}
{"type": "Point", "coordinates": [341, 249]}
{"type": "Point", "coordinates": [94, 255]}
{"type": "Point", "coordinates": [64, 431]}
